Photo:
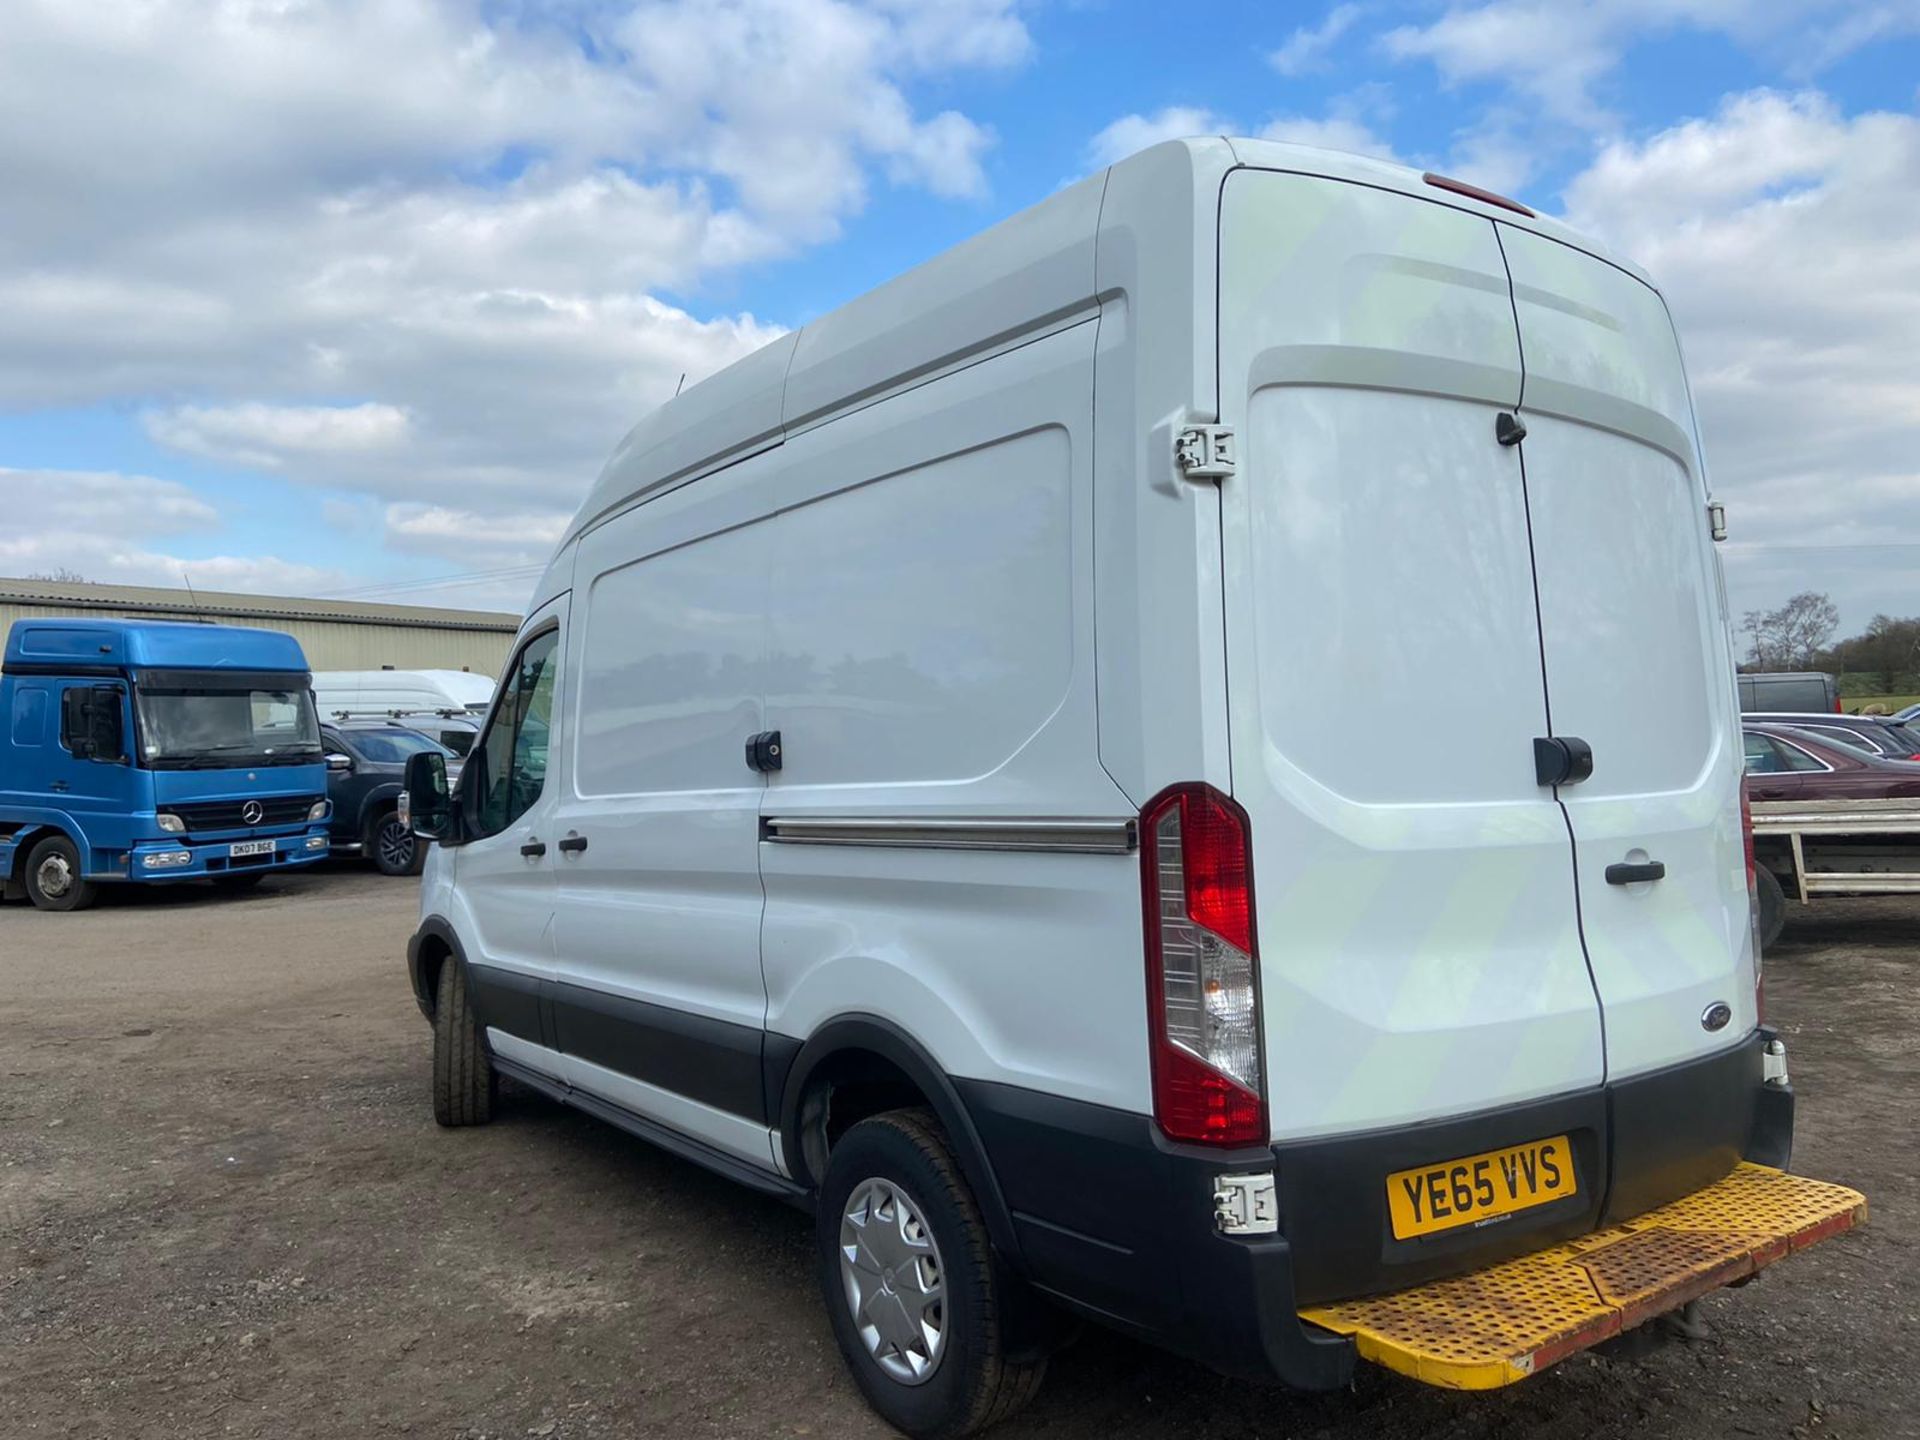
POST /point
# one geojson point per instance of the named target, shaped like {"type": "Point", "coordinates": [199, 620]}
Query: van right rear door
{"type": "Point", "coordinates": [1637, 655]}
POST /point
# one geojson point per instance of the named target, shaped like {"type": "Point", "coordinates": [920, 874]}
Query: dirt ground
{"type": "Point", "coordinates": [225, 1211]}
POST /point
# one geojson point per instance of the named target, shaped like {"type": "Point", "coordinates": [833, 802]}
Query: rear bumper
{"type": "Point", "coordinates": [1117, 1222]}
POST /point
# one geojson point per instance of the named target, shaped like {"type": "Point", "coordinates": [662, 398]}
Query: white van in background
{"type": "Point", "coordinates": [951, 776]}
{"type": "Point", "coordinates": [382, 692]}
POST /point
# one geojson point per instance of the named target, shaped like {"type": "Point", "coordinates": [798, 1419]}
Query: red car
{"type": "Point", "coordinates": [1784, 763]}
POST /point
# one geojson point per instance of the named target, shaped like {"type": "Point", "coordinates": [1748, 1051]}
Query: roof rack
{"type": "Point", "coordinates": [401, 714]}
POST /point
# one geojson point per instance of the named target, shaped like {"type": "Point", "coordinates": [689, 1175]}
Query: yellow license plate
{"type": "Point", "coordinates": [1479, 1188]}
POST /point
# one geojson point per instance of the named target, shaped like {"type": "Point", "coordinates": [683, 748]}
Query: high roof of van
{"type": "Point", "coordinates": [1042, 268]}
{"type": "Point", "coordinates": [155, 644]}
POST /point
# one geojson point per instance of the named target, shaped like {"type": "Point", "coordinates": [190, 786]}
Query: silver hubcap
{"type": "Point", "coordinates": [895, 1283]}
{"type": "Point", "coordinates": [54, 876]}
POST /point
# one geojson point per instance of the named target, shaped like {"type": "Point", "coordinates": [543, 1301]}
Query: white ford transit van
{"type": "Point", "coordinates": [951, 776]}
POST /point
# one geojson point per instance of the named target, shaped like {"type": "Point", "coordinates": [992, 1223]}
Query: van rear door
{"type": "Point", "coordinates": [1637, 654]}
{"type": "Point", "coordinates": [1416, 912]}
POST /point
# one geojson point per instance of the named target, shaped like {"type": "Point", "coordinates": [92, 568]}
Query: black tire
{"type": "Point", "coordinates": [53, 876]}
{"type": "Point", "coordinates": [973, 1383]}
{"type": "Point", "coordinates": [1773, 905]}
{"type": "Point", "coordinates": [394, 849]}
{"type": "Point", "coordinates": [465, 1086]}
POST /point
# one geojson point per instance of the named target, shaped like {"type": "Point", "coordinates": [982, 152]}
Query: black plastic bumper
{"type": "Point", "coordinates": [1116, 1222]}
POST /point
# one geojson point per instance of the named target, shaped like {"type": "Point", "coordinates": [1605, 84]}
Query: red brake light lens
{"type": "Point", "coordinates": [1474, 192]}
{"type": "Point", "coordinates": [1202, 973]}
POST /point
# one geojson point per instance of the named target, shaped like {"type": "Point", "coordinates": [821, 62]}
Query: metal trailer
{"type": "Point", "coordinates": [1837, 847]}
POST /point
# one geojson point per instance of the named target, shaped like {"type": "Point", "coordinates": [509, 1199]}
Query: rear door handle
{"type": "Point", "coordinates": [573, 844]}
{"type": "Point", "coordinates": [1624, 874]}
{"type": "Point", "coordinates": [534, 849]}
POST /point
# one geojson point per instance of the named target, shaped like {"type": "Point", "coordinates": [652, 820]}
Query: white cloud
{"type": "Point", "coordinates": [1340, 130]}
{"type": "Point", "coordinates": [1306, 49]}
{"type": "Point", "coordinates": [103, 501]}
{"type": "Point", "coordinates": [1557, 53]}
{"type": "Point", "coordinates": [101, 525]}
{"type": "Point", "coordinates": [1333, 133]}
{"type": "Point", "coordinates": [1131, 134]}
{"type": "Point", "coordinates": [264, 435]}
{"type": "Point", "coordinates": [418, 250]}
{"type": "Point", "coordinates": [1781, 233]}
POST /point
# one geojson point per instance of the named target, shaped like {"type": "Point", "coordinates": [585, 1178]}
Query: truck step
{"type": "Point", "coordinates": [1499, 1325]}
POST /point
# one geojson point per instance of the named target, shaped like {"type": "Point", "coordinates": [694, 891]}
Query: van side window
{"type": "Point", "coordinates": [508, 766]}
{"type": "Point", "coordinates": [29, 715]}
{"type": "Point", "coordinates": [90, 725]}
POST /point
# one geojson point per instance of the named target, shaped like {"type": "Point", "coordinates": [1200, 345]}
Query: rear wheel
{"type": "Point", "coordinates": [54, 881]}
{"type": "Point", "coordinates": [394, 849]}
{"type": "Point", "coordinates": [465, 1086]}
{"type": "Point", "coordinates": [916, 1298]}
{"type": "Point", "coordinates": [1773, 905]}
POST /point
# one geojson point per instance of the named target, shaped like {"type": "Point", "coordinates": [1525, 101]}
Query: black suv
{"type": "Point", "coordinates": [366, 763]}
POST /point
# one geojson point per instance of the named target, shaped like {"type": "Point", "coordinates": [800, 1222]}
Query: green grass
{"type": "Point", "coordinates": [1852, 703]}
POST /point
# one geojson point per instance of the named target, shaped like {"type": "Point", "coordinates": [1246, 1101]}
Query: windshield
{"type": "Point", "coordinates": [202, 728]}
{"type": "Point", "coordinates": [392, 747]}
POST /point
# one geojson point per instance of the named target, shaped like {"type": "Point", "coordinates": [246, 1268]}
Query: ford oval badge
{"type": "Point", "coordinates": [1716, 1016]}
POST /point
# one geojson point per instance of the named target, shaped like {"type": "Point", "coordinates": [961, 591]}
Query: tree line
{"type": "Point", "coordinates": [1799, 636]}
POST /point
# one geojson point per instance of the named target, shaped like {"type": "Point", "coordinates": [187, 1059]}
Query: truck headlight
{"type": "Point", "coordinates": [172, 824]}
{"type": "Point", "coordinates": [320, 810]}
{"type": "Point", "coordinates": [166, 859]}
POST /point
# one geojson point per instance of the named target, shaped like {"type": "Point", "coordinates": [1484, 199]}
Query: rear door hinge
{"type": "Point", "coordinates": [1206, 452]}
{"type": "Point", "coordinates": [1716, 519]}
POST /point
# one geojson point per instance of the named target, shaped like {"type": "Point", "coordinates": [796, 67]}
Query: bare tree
{"type": "Point", "coordinates": [1791, 637]}
{"type": "Point", "coordinates": [60, 573]}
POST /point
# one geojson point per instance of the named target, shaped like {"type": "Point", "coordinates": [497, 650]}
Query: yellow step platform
{"type": "Point", "coordinates": [1502, 1324]}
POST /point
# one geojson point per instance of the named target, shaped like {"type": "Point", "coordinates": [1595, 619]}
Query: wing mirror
{"type": "Point", "coordinates": [427, 802]}
{"type": "Point", "coordinates": [339, 764]}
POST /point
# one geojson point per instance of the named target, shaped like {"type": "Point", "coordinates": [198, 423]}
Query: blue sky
{"type": "Point", "coordinates": [346, 297]}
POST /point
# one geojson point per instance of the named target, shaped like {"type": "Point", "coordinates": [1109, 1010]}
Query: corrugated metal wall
{"type": "Point", "coordinates": [342, 637]}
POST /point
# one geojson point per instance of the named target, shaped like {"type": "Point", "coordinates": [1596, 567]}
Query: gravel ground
{"type": "Point", "coordinates": [225, 1210]}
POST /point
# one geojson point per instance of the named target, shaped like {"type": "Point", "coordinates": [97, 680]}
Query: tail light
{"type": "Point", "coordinates": [1753, 903]}
{"type": "Point", "coordinates": [1203, 992]}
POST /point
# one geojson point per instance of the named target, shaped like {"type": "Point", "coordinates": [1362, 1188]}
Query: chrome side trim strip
{"type": "Point", "coordinates": [1084, 837]}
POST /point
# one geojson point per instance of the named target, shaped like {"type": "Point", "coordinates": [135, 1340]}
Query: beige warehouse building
{"type": "Point", "coordinates": [335, 634]}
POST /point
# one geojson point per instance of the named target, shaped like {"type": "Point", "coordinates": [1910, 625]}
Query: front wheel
{"type": "Point", "coordinates": [54, 880]}
{"type": "Point", "coordinates": [395, 849]}
{"type": "Point", "coordinates": [915, 1295]}
{"type": "Point", "coordinates": [465, 1084]}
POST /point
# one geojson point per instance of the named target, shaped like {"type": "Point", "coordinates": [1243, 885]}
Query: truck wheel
{"type": "Point", "coordinates": [915, 1295]}
{"type": "Point", "coordinates": [395, 850]}
{"type": "Point", "coordinates": [54, 881]}
{"type": "Point", "coordinates": [464, 1083]}
{"type": "Point", "coordinates": [1773, 905]}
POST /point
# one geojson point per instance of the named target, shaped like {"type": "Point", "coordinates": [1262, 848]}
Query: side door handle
{"type": "Point", "coordinates": [534, 849]}
{"type": "Point", "coordinates": [58, 785]}
{"type": "Point", "coordinates": [1624, 874]}
{"type": "Point", "coordinates": [573, 844]}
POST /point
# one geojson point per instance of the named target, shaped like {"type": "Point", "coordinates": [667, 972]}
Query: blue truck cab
{"type": "Point", "coordinates": [146, 752]}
